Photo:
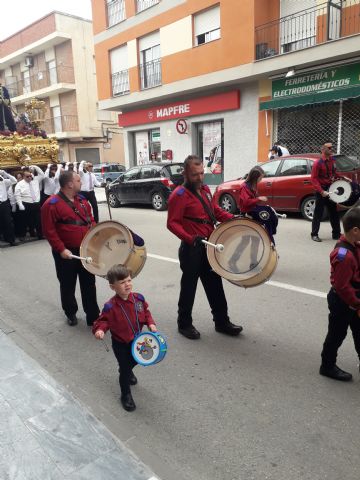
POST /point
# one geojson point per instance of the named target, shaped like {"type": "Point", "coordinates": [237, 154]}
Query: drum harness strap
{"type": "Point", "coordinates": [84, 221]}
{"type": "Point", "coordinates": [207, 209]}
{"type": "Point", "coordinates": [128, 319]}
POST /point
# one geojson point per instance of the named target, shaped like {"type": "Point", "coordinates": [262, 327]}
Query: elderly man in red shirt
{"type": "Point", "coordinates": [66, 218]}
{"type": "Point", "coordinates": [191, 217]}
{"type": "Point", "coordinates": [323, 174]}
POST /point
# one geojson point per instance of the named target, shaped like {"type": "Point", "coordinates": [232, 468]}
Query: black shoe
{"type": "Point", "coordinates": [316, 238]}
{"type": "Point", "coordinates": [190, 332]}
{"type": "Point", "coordinates": [133, 379]}
{"type": "Point", "coordinates": [127, 402]}
{"type": "Point", "coordinates": [228, 328]}
{"type": "Point", "coordinates": [72, 320]}
{"type": "Point", "coordinates": [336, 373]}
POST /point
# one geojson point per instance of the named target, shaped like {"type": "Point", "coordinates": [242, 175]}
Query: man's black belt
{"type": "Point", "coordinates": [199, 220]}
{"type": "Point", "coordinates": [73, 222]}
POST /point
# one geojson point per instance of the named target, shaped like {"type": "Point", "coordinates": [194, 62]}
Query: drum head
{"type": "Point", "coordinates": [247, 249]}
{"type": "Point", "coordinates": [262, 276]}
{"type": "Point", "coordinates": [148, 348]}
{"type": "Point", "coordinates": [107, 243]}
{"type": "Point", "coordinates": [340, 191]}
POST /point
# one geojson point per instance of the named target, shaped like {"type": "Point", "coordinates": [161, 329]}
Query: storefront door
{"type": "Point", "coordinates": [210, 148]}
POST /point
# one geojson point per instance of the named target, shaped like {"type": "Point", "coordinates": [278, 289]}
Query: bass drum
{"type": "Point", "coordinates": [249, 257]}
{"type": "Point", "coordinates": [109, 243]}
{"type": "Point", "coordinates": [344, 193]}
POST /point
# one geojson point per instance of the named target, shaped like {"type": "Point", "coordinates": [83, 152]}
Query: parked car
{"type": "Point", "coordinates": [287, 183]}
{"type": "Point", "coordinates": [151, 183]}
{"type": "Point", "coordinates": [107, 172]}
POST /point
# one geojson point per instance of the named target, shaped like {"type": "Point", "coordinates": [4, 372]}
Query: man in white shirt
{"type": "Point", "coordinates": [51, 181]}
{"type": "Point", "coordinates": [88, 182]}
{"type": "Point", "coordinates": [6, 220]}
{"type": "Point", "coordinates": [27, 195]}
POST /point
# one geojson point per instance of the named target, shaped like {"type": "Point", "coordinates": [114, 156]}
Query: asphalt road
{"type": "Point", "coordinates": [252, 407]}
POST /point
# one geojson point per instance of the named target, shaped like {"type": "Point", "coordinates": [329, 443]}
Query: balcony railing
{"type": "Point", "coordinates": [120, 83]}
{"type": "Point", "coordinates": [313, 26]}
{"type": "Point", "coordinates": [150, 74]}
{"type": "Point", "coordinates": [63, 123]}
{"type": "Point", "coordinates": [41, 79]}
{"type": "Point", "coordinates": [144, 4]}
{"type": "Point", "coordinates": [115, 12]}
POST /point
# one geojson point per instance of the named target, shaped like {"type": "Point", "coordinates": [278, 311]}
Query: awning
{"type": "Point", "coordinates": [330, 96]}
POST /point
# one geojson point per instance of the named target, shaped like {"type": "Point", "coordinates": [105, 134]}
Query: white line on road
{"type": "Point", "coordinates": [285, 286]}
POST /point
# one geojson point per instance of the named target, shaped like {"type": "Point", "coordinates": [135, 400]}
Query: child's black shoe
{"type": "Point", "coordinates": [133, 379]}
{"type": "Point", "coordinates": [127, 402]}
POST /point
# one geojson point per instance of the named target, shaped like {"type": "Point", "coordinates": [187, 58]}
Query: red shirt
{"type": "Point", "coordinates": [182, 203]}
{"type": "Point", "coordinates": [247, 198]}
{"type": "Point", "coordinates": [113, 318]}
{"type": "Point", "coordinates": [323, 173]}
{"type": "Point", "coordinates": [345, 272]}
{"type": "Point", "coordinates": [65, 235]}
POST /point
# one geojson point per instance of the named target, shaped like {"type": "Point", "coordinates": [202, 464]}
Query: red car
{"type": "Point", "coordinates": [287, 183]}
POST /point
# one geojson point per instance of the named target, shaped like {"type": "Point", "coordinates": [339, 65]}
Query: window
{"type": "Point", "coordinates": [294, 166]}
{"type": "Point", "coordinates": [207, 26]}
{"type": "Point", "coordinates": [150, 60]}
{"type": "Point", "coordinates": [57, 122]}
{"type": "Point", "coordinates": [210, 147]}
{"type": "Point", "coordinates": [144, 4]}
{"type": "Point", "coordinates": [119, 70]}
{"type": "Point", "coordinates": [271, 168]}
{"type": "Point", "coordinates": [115, 11]}
{"type": "Point", "coordinates": [148, 172]}
{"type": "Point", "coordinates": [26, 82]}
{"type": "Point", "coordinates": [132, 174]}
{"type": "Point", "coordinates": [52, 72]}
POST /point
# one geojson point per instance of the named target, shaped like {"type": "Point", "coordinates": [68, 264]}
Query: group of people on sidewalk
{"type": "Point", "coordinates": [21, 198]}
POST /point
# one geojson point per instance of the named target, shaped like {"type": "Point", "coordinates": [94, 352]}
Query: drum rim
{"type": "Point", "coordinates": [211, 254]}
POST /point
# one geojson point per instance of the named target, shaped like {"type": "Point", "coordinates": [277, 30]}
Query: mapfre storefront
{"type": "Point", "coordinates": [314, 107]}
{"type": "Point", "coordinates": [174, 130]}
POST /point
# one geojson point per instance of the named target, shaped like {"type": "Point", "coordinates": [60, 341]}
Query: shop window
{"type": "Point", "coordinates": [207, 25]}
{"type": "Point", "coordinates": [211, 148]}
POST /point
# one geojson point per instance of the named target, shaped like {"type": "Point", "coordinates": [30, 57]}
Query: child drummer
{"type": "Point", "coordinates": [124, 315]}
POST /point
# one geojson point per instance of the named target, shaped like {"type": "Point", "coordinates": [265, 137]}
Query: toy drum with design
{"type": "Point", "coordinates": [109, 243]}
{"type": "Point", "coordinates": [149, 348]}
{"type": "Point", "coordinates": [249, 258]}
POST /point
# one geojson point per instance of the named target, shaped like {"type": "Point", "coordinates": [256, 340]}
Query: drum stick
{"type": "Point", "coordinates": [87, 259]}
{"type": "Point", "coordinates": [281, 215]}
{"type": "Point", "coordinates": [219, 247]}
{"type": "Point", "coordinates": [105, 345]}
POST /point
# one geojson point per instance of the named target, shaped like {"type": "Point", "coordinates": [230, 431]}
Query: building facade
{"type": "Point", "coordinates": [53, 59]}
{"type": "Point", "coordinates": [224, 79]}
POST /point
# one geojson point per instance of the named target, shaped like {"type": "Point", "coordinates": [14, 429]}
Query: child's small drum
{"type": "Point", "coordinates": [148, 348]}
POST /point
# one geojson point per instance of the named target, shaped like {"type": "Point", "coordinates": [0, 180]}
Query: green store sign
{"type": "Point", "coordinates": [321, 81]}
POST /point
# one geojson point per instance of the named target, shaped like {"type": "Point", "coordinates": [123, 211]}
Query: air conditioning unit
{"type": "Point", "coordinates": [29, 62]}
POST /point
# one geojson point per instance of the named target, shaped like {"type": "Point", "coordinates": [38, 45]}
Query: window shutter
{"type": "Point", "coordinates": [207, 21]}
{"type": "Point", "coordinates": [149, 41]}
{"type": "Point", "coordinates": [119, 59]}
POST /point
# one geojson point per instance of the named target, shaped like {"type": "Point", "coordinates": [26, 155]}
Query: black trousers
{"type": "Point", "coordinates": [194, 265]}
{"type": "Point", "coordinates": [91, 198]}
{"type": "Point", "coordinates": [320, 203]}
{"type": "Point", "coordinates": [122, 352]}
{"type": "Point", "coordinates": [30, 219]}
{"type": "Point", "coordinates": [6, 222]}
{"type": "Point", "coordinates": [67, 272]}
{"type": "Point", "coordinates": [340, 318]}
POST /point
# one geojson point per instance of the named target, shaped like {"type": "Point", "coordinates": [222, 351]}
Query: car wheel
{"type": "Point", "coordinates": [113, 201]}
{"type": "Point", "coordinates": [308, 207]}
{"type": "Point", "coordinates": [227, 203]}
{"type": "Point", "coordinates": [158, 201]}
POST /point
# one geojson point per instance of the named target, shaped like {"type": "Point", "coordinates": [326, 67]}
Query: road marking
{"type": "Point", "coordinates": [284, 286]}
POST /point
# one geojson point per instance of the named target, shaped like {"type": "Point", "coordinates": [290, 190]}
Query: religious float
{"type": "Point", "coordinates": [23, 142]}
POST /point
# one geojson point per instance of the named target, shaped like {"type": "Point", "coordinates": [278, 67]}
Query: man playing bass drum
{"type": "Point", "coordinates": [191, 217]}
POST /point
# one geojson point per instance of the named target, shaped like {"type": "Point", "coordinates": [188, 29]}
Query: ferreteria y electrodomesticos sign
{"type": "Point", "coordinates": [334, 78]}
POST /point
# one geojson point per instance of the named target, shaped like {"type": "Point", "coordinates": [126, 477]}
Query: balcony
{"type": "Point", "coordinates": [115, 12]}
{"type": "Point", "coordinates": [150, 74]}
{"type": "Point", "coordinates": [313, 26]}
{"type": "Point", "coordinates": [144, 4]}
{"type": "Point", "coordinates": [61, 124]}
{"type": "Point", "coordinates": [52, 80]}
{"type": "Point", "coordinates": [120, 83]}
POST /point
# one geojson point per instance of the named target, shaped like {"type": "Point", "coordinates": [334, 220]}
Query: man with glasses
{"type": "Point", "coordinates": [27, 195]}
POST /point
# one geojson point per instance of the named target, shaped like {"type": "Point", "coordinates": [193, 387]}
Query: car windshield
{"type": "Point", "coordinates": [345, 164]}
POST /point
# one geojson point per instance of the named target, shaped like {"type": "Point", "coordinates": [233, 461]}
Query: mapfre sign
{"type": "Point", "coordinates": [190, 108]}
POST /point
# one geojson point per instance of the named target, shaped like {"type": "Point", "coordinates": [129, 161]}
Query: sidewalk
{"type": "Point", "coordinates": [46, 434]}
